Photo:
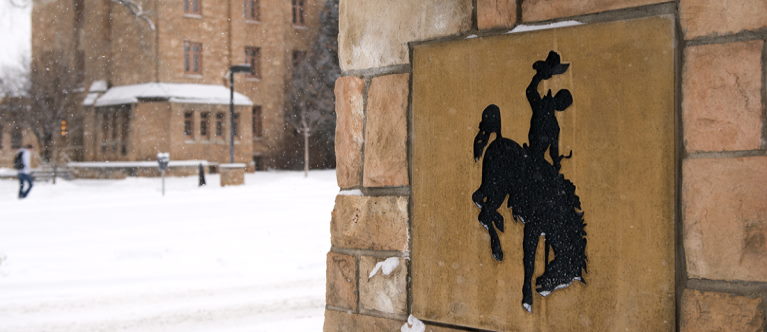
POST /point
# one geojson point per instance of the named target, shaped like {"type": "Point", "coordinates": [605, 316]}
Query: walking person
{"type": "Point", "coordinates": [23, 163]}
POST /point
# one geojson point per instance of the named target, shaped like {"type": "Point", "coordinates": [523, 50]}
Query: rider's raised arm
{"type": "Point", "coordinates": [532, 89]}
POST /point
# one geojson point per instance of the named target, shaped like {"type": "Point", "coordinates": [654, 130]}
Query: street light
{"type": "Point", "coordinates": [232, 70]}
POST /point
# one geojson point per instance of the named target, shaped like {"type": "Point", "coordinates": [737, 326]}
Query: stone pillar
{"type": "Point", "coordinates": [232, 174]}
{"type": "Point", "coordinates": [721, 151]}
{"type": "Point", "coordinates": [724, 165]}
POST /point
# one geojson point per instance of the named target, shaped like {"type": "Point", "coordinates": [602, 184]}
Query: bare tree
{"type": "Point", "coordinates": [14, 80]}
{"type": "Point", "coordinates": [136, 8]}
{"type": "Point", "coordinates": [13, 88]}
{"type": "Point", "coordinates": [311, 102]}
{"type": "Point", "coordinates": [54, 91]}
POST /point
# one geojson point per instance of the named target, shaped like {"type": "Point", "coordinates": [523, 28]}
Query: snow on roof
{"type": "Point", "coordinates": [90, 99]}
{"type": "Point", "coordinates": [174, 92]}
{"type": "Point", "coordinates": [98, 86]}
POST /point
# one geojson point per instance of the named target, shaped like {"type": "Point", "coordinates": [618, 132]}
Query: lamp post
{"type": "Point", "coordinates": [232, 70]}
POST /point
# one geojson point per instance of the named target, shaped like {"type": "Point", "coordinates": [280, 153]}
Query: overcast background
{"type": "Point", "coordinates": [15, 30]}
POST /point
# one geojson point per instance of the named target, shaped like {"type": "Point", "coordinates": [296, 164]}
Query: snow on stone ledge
{"type": "Point", "coordinates": [234, 165]}
{"type": "Point", "coordinates": [350, 192]}
{"type": "Point", "coordinates": [121, 164]}
{"type": "Point", "coordinates": [173, 92]}
{"type": "Point", "coordinates": [525, 28]}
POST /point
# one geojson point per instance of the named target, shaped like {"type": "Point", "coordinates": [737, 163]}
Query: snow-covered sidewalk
{"type": "Point", "coordinates": [103, 255]}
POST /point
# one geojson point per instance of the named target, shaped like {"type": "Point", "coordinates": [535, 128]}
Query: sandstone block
{"type": "Point", "coordinates": [341, 282]}
{"type": "Point", "coordinates": [349, 135]}
{"type": "Point", "coordinates": [386, 132]}
{"type": "Point", "coordinates": [232, 174]}
{"type": "Point", "coordinates": [385, 290]}
{"type": "Point", "coordinates": [492, 14]}
{"type": "Point", "coordinates": [539, 10]}
{"type": "Point", "coordinates": [336, 321]}
{"type": "Point", "coordinates": [376, 223]}
{"type": "Point", "coordinates": [721, 17]}
{"type": "Point", "coordinates": [725, 218]}
{"type": "Point", "coordinates": [722, 103]}
{"type": "Point", "coordinates": [710, 311]}
{"type": "Point", "coordinates": [622, 167]}
{"type": "Point", "coordinates": [374, 33]}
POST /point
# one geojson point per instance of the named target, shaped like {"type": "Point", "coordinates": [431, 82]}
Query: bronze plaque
{"type": "Point", "coordinates": [557, 145]}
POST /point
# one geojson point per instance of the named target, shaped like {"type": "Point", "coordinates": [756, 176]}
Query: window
{"type": "Point", "coordinates": [125, 121]}
{"type": "Point", "coordinates": [188, 124]}
{"type": "Point", "coordinates": [115, 127]}
{"type": "Point", "coordinates": [258, 122]}
{"type": "Point", "coordinates": [204, 125]}
{"type": "Point", "coordinates": [253, 58]}
{"type": "Point", "coordinates": [220, 124]}
{"type": "Point", "coordinates": [16, 138]}
{"type": "Point", "coordinates": [251, 9]}
{"type": "Point", "coordinates": [258, 163]}
{"type": "Point", "coordinates": [298, 12]}
{"type": "Point", "coordinates": [115, 130]}
{"type": "Point", "coordinates": [236, 127]}
{"type": "Point", "coordinates": [104, 131]}
{"type": "Point", "coordinates": [192, 7]}
{"type": "Point", "coordinates": [298, 56]}
{"type": "Point", "coordinates": [192, 57]}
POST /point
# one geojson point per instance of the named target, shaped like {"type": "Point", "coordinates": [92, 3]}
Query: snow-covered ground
{"type": "Point", "coordinates": [114, 255]}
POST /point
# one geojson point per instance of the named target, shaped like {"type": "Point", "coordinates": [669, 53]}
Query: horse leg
{"type": "Point", "coordinates": [490, 219]}
{"type": "Point", "coordinates": [529, 244]}
{"type": "Point", "coordinates": [546, 254]}
{"type": "Point", "coordinates": [495, 244]}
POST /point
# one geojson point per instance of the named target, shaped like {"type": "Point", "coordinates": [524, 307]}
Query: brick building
{"type": "Point", "coordinates": [162, 84]}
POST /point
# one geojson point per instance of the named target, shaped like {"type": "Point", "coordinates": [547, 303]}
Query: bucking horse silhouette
{"type": "Point", "coordinates": [538, 195]}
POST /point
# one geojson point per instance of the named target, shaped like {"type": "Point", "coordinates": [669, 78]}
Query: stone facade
{"type": "Point", "coordinates": [107, 43]}
{"type": "Point", "coordinates": [721, 150]}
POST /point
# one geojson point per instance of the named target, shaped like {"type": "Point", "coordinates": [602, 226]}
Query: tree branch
{"type": "Point", "coordinates": [137, 10]}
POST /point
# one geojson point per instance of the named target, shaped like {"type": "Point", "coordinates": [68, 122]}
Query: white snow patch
{"type": "Point", "coordinates": [111, 164]}
{"type": "Point", "coordinates": [350, 192]}
{"type": "Point", "coordinates": [98, 86]}
{"type": "Point", "coordinates": [386, 267]}
{"type": "Point", "coordinates": [233, 165]}
{"type": "Point", "coordinates": [173, 92]}
{"type": "Point", "coordinates": [8, 172]}
{"type": "Point", "coordinates": [114, 255]}
{"type": "Point", "coordinates": [90, 98]}
{"type": "Point", "coordinates": [525, 28]}
{"type": "Point", "coordinates": [413, 325]}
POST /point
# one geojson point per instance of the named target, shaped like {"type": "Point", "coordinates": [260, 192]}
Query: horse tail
{"type": "Point", "coordinates": [581, 260]}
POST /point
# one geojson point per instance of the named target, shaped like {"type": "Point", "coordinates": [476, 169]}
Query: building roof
{"type": "Point", "coordinates": [173, 92]}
